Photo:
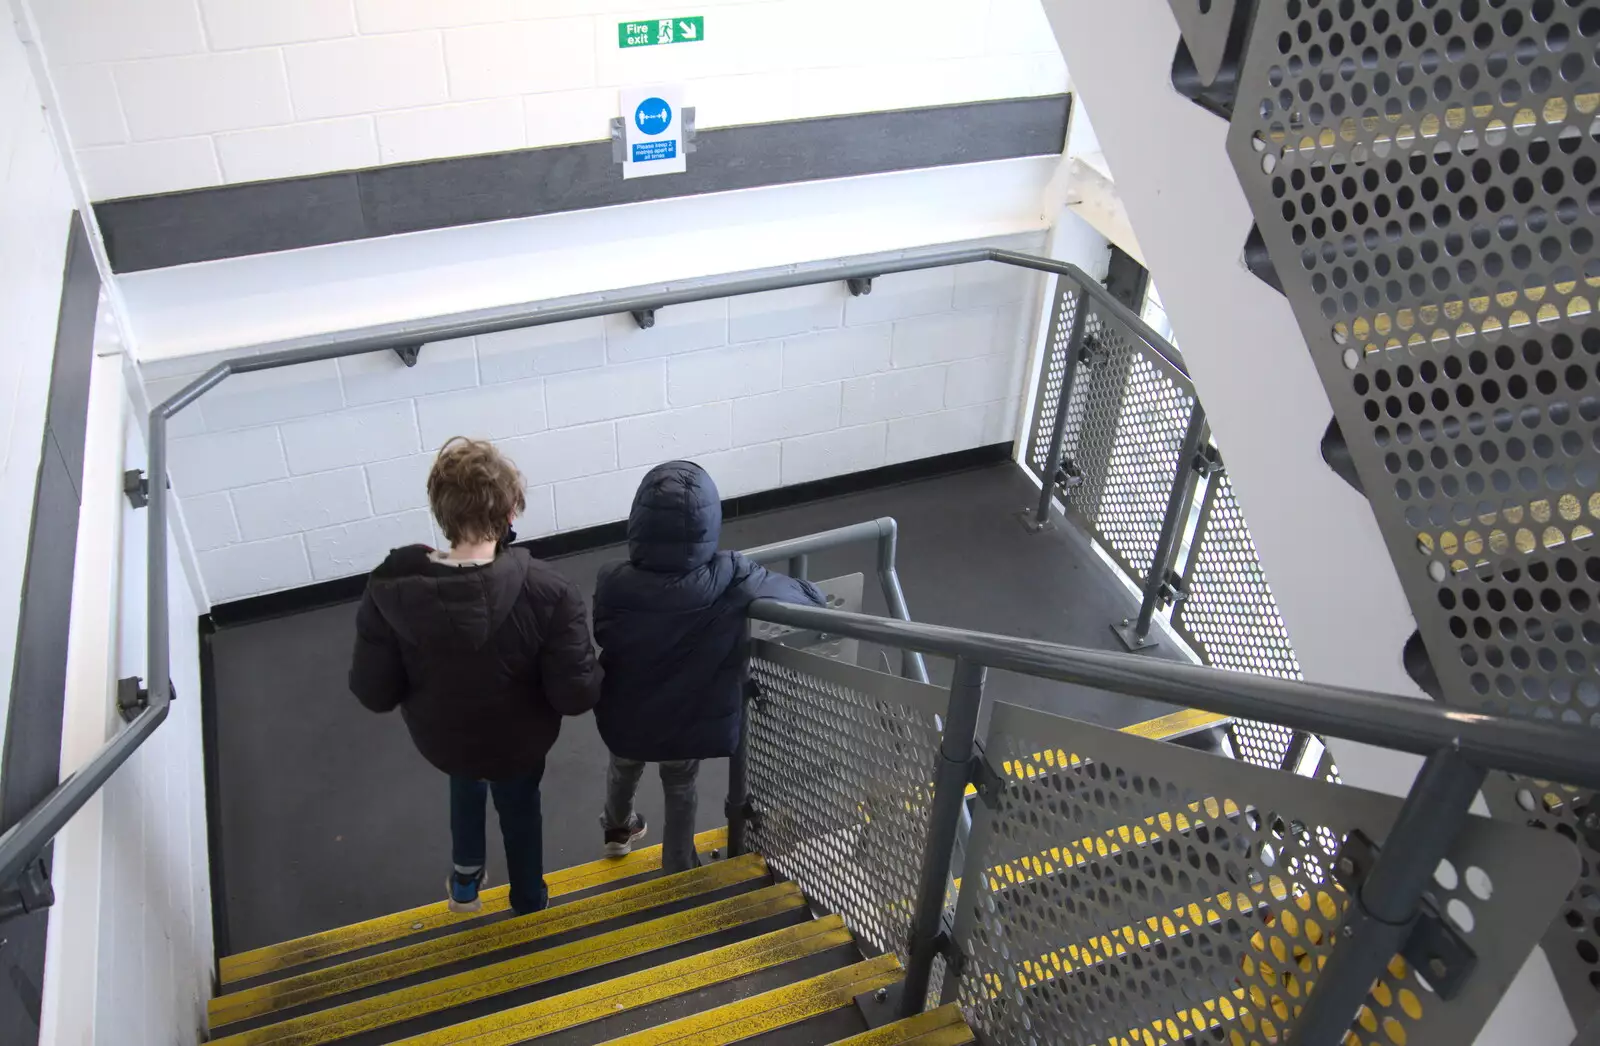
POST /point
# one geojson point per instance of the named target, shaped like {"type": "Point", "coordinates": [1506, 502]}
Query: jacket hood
{"type": "Point", "coordinates": [676, 520]}
{"type": "Point", "coordinates": [429, 603]}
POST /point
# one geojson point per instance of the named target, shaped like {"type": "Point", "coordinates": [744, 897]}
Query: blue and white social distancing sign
{"type": "Point", "coordinates": [653, 123]}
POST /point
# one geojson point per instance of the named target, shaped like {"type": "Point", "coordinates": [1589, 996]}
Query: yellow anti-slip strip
{"type": "Point", "coordinates": [345, 939]}
{"type": "Point", "coordinates": [482, 940]}
{"type": "Point", "coordinates": [772, 1010]}
{"type": "Point", "coordinates": [941, 1027]}
{"type": "Point", "coordinates": [404, 1004]}
{"type": "Point", "coordinates": [693, 973]}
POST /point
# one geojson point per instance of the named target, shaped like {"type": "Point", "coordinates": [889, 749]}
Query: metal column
{"type": "Point", "coordinates": [1384, 910]}
{"type": "Point", "coordinates": [944, 820]}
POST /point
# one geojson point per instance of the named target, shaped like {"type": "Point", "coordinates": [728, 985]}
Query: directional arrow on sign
{"type": "Point", "coordinates": [688, 30]}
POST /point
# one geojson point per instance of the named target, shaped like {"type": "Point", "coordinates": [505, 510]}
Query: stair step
{"type": "Point", "coordinates": [420, 1000]}
{"type": "Point", "coordinates": [480, 941]}
{"type": "Point", "coordinates": [614, 997]}
{"type": "Point", "coordinates": [356, 936]}
{"type": "Point", "coordinates": [939, 1027]}
{"type": "Point", "coordinates": [772, 1010]}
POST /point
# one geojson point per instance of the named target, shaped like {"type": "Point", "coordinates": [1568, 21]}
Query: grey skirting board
{"type": "Point", "coordinates": [152, 232]}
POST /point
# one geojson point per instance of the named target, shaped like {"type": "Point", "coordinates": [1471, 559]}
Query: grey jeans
{"type": "Point", "coordinates": [678, 787]}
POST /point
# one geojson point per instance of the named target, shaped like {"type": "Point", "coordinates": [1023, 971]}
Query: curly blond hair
{"type": "Point", "coordinates": [474, 491]}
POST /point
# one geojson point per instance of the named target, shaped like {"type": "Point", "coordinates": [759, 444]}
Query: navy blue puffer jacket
{"type": "Point", "coordinates": [671, 624]}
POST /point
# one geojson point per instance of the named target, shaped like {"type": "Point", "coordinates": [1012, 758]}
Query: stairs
{"type": "Point", "coordinates": [624, 955]}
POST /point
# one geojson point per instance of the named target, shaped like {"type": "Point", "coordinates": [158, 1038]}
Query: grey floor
{"type": "Point", "coordinates": [329, 816]}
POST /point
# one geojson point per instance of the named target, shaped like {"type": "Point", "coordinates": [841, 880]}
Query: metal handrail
{"type": "Point", "coordinates": [1520, 746]}
{"type": "Point", "coordinates": [883, 532]}
{"type": "Point", "coordinates": [1460, 747]}
{"type": "Point", "coordinates": [26, 841]}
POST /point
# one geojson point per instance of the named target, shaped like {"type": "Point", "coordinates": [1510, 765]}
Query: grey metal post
{"type": "Point", "coordinates": [158, 666]}
{"type": "Point", "coordinates": [944, 820]}
{"type": "Point", "coordinates": [1069, 373]}
{"type": "Point", "coordinates": [1381, 915]}
{"type": "Point", "coordinates": [912, 666]}
{"type": "Point", "coordinates": [1137, 635]}
{"type": "Point", "coordinates": [800, 566]}
{"type": "Point", "coordinates": [739, 788]}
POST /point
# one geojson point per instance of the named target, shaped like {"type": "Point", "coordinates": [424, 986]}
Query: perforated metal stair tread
{"type": "Point", "coordinates": [772, 1010]}
{"type": "Point", "coordinates": [356, 936]}
{"type": "Point", "coordinates": [610, 998]}
{"type": "Point", "coordinates": [938, 1027]}
{"type": "Point", "coordinates": [431, 997]}
{"type": "Point", "coordinates": [479, 941]}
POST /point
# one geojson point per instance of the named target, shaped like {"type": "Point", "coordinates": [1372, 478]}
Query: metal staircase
{"type": "Point", "coordinates": [721, 954]}
{"type": "Point", "coordinates": [910, 862]}
{"type": "Point", "coordinates": [1421, 178]}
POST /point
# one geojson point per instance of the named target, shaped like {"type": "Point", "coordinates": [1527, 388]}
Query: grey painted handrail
{"type": "Point", "coordinates": [26, 840]}
{"type": "Point", "coordinates": [885, 533]}
{"type": "Point", "coordinates": [1404, 724]}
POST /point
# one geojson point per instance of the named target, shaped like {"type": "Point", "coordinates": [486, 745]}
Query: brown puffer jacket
{"type": "Point", "coordinates": [482, 661]}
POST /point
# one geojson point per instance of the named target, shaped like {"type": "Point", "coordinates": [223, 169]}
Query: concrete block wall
{"type": "Point", "coordinates": [314, 472]}
{"type": "Point", "coordinates": [164, 95]}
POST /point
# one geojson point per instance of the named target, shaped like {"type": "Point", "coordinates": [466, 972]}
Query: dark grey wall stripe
{"type": "Point", "coordinates": [156, 231]}
{"type": "Point", "coordinates": [39, 676]}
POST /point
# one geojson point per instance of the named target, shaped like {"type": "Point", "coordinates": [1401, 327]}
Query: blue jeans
{"type": "Point", "coordinates": [521, 825]}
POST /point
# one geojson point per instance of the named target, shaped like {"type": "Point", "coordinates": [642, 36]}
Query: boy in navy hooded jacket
{"type": "Point", "coordinates": [673, 634]}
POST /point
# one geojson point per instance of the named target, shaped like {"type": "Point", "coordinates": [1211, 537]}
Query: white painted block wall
{"type": "Point", "coordinates": [35, 217]}
{"type": "Point", "coordinates": [163, 95]}
{"type": "Point", "coordinates": [315, 472]}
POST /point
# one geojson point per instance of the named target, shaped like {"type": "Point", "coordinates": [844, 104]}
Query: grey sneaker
{"type": "Point", "coordinates": [619, 841]}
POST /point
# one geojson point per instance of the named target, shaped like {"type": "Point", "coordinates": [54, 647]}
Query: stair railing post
{"type": "Point", "coordinates": [1136, 636]}
{"type": "Point", "coordinates": [944, 820]}
{"type": "Point", "coordinates": [1384, 909]}
{"type": "Point", "coordinates": [738, 804]}
{"type": "Point", "coordinates": [1069, 373]}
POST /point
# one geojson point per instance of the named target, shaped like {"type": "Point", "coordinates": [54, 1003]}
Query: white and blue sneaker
{"type": "Point", "coordinates": [463, 890]}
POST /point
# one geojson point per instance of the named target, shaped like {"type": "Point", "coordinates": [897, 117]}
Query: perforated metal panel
{"type": "Point", "coordinates": [1230, 616]}
{"type": "Point", "coordinates": [1264, 744]}
{"type": "Point", "coordinates": [842, 762]}
{"type": "Point", "coordinates": [1126, 421]}
{"type": "Point", "coordinates": [1573, 942]}
{"type": "Point", "coordinates": [1119, 889]}
{"type": "Point", "coordinates": [1055, 369]}
{"type": "Point", "coordinates": [1424, 178]}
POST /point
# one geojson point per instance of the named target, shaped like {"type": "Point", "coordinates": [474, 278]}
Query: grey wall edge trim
{"type": "Point", "coordinates": [32, 765]}
{"type": "Point", "coordinates": [153, 232]}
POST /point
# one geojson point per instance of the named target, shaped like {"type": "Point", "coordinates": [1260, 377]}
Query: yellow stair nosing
{"type": "Point", "coordinates": [341, 940]}
{"type": "Point", "coordinates": [403, 1004]}
{"type": "Point", "coordinates": [642, 988]}
{"type": "Point", "coordinates": [482, 940]}
{"type": "Point", "coordinates": [941, 1026]}
{"type": "Point", "coordinates": [771, 1010]}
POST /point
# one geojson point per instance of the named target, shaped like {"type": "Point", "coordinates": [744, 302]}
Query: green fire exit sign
{"type": "Point", "coordinates": [651, 31]}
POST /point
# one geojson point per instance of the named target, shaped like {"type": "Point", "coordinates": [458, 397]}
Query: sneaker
{"type": "Point", "coordinates": [619, 841]}
{"type": "Point", "coordinates": [462, 891]}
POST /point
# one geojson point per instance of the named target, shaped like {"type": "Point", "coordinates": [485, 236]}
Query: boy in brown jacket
{"type": "Point", "coordinates": [483, 649]}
